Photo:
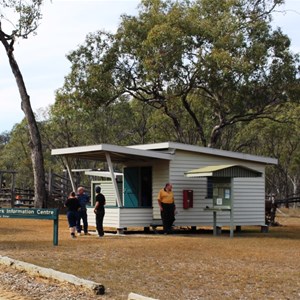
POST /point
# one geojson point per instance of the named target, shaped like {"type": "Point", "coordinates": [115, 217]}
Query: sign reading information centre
{"type": "Point", "coordinates": [33, 213]}
{"type": "Point", "coordinates": [30, 213]}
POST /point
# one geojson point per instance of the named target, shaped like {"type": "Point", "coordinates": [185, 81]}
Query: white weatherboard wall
{"type": "Point", "coordinates": [249, 193]}
{"type": "Point", "coordinates": [107, 189]}
{"type": "Point", "coordinates": [160, 176]}
{"type": "Point", "coordinates": [249, 208]}
{"type": "Point", "coordinates": [123, 217]}
{"type": "Point", "coordinates": [135, 217]}
{"type": "Point", "coordinates": [111, 218]}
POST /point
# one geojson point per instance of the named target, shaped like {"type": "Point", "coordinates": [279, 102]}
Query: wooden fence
{"type": "Point", "coordinates": [58, 187]}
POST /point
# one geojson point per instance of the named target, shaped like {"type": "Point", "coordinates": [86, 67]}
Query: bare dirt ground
{"type": "Point", "coordinates": [186, 266]}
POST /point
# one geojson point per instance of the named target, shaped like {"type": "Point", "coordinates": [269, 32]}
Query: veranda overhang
{"type": "Point", "coordinates": [118, 154]}
{"type": "Point", "coordinates": [223, 171]}
{"type": "Point", "coordinates": [109, 154]}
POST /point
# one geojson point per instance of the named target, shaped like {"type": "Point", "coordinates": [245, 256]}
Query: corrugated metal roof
{"type": "Point", "coordinates": [117, 153]}
{"type": "Point", "coordinates": [166, 146]}
{"type": "Point", "coordinates": [223, 171]}
{"type": "Point", "coordinates": [163, 151]}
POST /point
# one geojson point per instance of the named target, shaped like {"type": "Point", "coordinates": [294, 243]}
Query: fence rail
{"type": "Point", "coordinates": [271, 205]}
{"type": "Point", "coordinates": [58, 187]}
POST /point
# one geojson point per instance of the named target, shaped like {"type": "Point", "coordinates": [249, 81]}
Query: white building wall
{"type": "Point", "coordinates": [249, 204]}
{"type": "Point", "coordinates": [160, 176]}
{"type": "Point", "coordinates": [111, 218]}
{"type": "Point", "coordinates": [135, 217]}
{"type": "Point", "coordinates": [249, 193]}
{"type": "Point", "coordinates": [122, 217]}
{"type": "Point", "coordinates": [108, 190]}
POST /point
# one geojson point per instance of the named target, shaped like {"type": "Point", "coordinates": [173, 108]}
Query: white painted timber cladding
{"type": "Point", "coordinates": [132, 217]}
{"type": "Point", "coordinates": [123, 217]}
{"type": "Point", "coordinates": [91, 216]}
{"type": "Point", "coordinates": [249, 193]}
{"type": "Point", "coordinates": [160, 176]}
{"type": "Point", "coordinates": [111, 218]}
{"type": "Point", "coordinates": [249, 205]}
{"type": "Point", "coordinates": [107, 189]}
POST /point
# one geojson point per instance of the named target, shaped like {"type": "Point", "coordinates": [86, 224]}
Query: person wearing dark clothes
{"type": "Point", "coordinates": [99, 211]}
{"type": "Point", "coordinates": [73, 207]}
{"type": "Point", "coordinates": [84, 200]}
{"type": "Point", "coordinates": [167, 207]}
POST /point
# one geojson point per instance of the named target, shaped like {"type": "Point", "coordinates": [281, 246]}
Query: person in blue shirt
{"type": "Point", "coordinates": [84, 200]}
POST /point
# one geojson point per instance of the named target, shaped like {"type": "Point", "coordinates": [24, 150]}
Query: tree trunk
{"type": "Point", "coordinates": [35, 139]}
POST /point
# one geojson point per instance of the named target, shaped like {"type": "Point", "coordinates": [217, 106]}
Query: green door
{"type": "Point", "coordinates": [131, 187]}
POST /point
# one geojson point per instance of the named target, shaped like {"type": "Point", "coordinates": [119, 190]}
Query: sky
{"type": "Point", "coordinates": [64, 26]}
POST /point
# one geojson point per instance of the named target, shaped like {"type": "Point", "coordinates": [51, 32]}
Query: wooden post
{"type": "Point", "coordinates": [215, 222]}
{"type": "Point", "coordinates": [231, 207]}
{"type": "Point", "coordinates": [113, 178]}
{"type": "Point", "coordinates": [70, 174]}
{"type": "Point", "coordinates": [13, 194]}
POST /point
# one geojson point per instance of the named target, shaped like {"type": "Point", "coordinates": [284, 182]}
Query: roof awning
{"type": "Point", "coordinates": [223, 171]}
{"type": "Point", "coordinates": [109, 154]}
{"type": "Point", "coordinates": [118, 154]}
{"type": "Point", "coordinates": [106, 174]}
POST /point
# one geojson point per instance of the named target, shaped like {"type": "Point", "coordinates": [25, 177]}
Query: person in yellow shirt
{"type": "Point", "coordinates": [167, 207]}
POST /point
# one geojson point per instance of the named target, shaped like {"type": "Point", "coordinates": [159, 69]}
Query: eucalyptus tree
{"type": "Point", "coordinates": [15, 155]}
{"type": "Point", "coordinates": [221, 55]}
{"type": "Point", "coordinates": [209, 64]}
{"type": "Point", "coordinates": [91, 105]}
{"type": "Point", "coordinates": [4, 138]}
{"type": "Point", "coordinates": [280, 139]}
{"type": "Point", "coordinates": [26, 15]}
{"type": "Point", "coordinates": [91, 125]}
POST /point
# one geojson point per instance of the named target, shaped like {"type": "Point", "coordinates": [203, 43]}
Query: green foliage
{"type": "Point", "coordinates": [205, 72]}
{"type": "Point", "coordinates": [207, 65]}
{"type": "Point", "coordinates": [15, 156]}
{"type": "Point", "coordinates": [279, 139]}
{"type": "Point", "coordinates": [222, 53]}
{"type": "Point", "coordinates": [26, 14]}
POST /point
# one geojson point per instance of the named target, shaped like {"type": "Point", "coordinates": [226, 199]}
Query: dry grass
{"type": "Point", "coordinates": [252, 265]}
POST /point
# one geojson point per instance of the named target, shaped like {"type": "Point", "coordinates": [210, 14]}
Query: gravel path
{"type": "Point", "coordinates": [6, 295]}
{"type": "Point", "coordinates": [18, 285]}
